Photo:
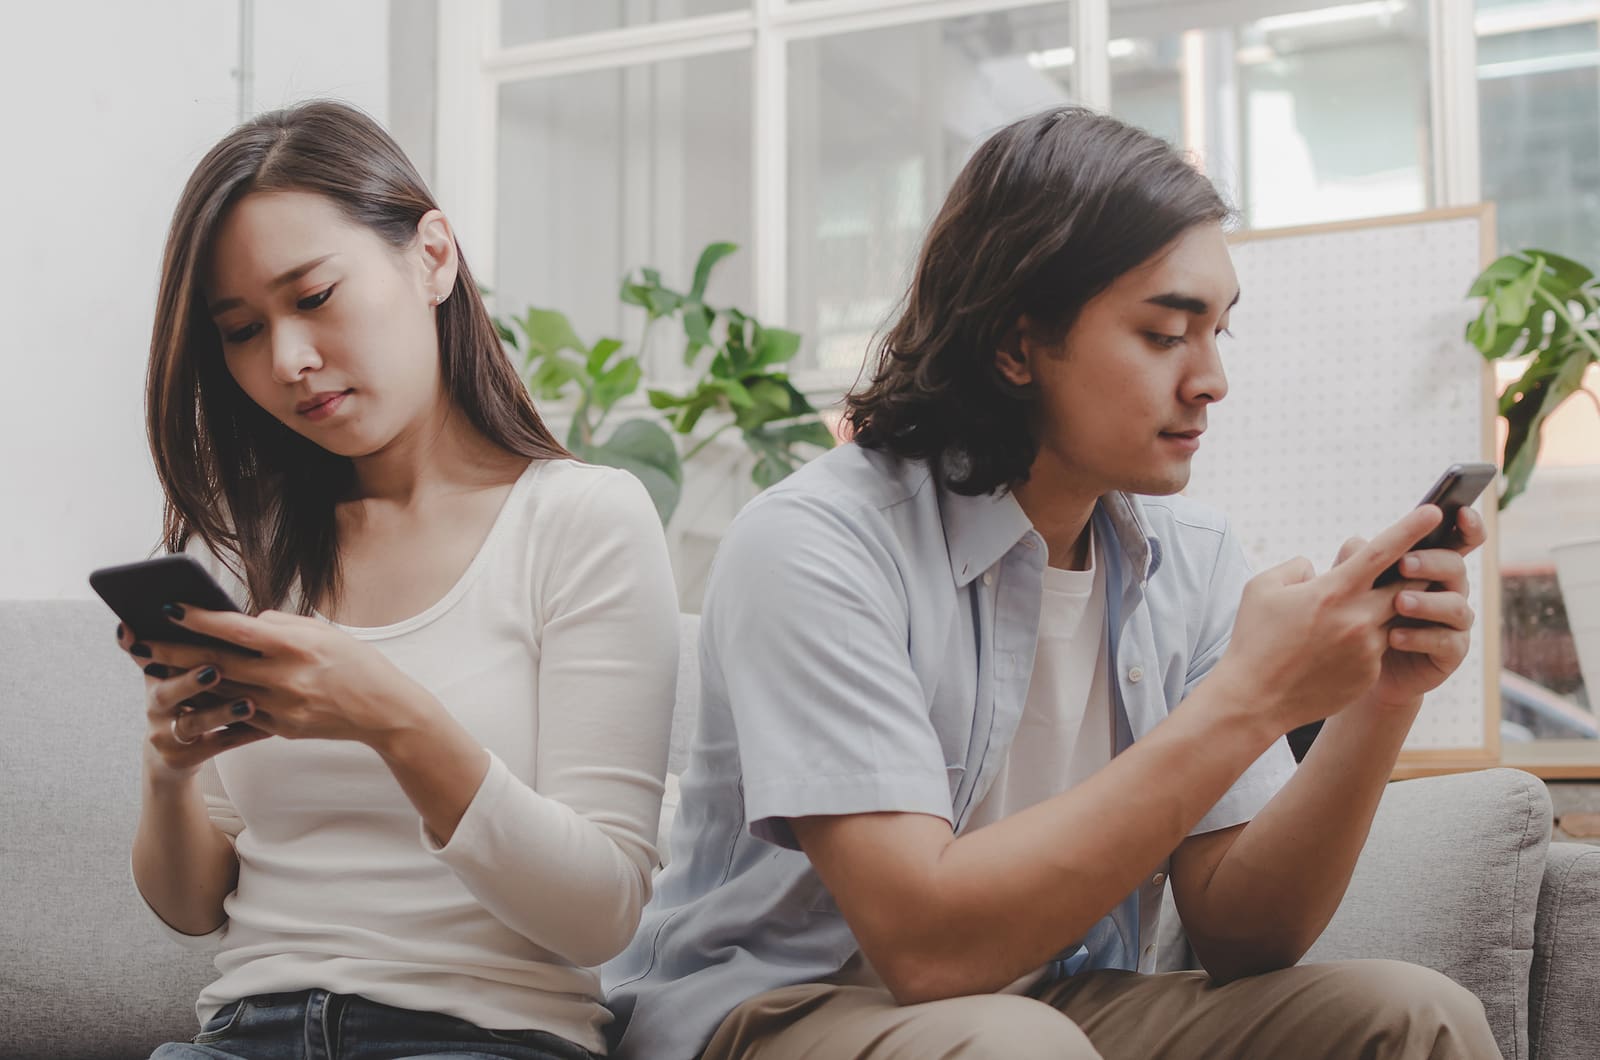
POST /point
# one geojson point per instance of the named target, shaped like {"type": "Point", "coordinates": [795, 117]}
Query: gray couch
{"type": "Point", "coordinates": [1459, 874]}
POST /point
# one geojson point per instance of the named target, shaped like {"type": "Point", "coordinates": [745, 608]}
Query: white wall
{"type": "Point", "coordinates": [105, 107]}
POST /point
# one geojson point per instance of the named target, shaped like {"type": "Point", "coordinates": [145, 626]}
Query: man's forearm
{"type": "Point", "coordinates": [1283, 877]}
{"type": "Point", "coordinates": [941, 916]}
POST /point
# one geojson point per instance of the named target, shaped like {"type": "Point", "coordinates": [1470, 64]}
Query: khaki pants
{"type": "Point", "coordinates": [1346, 1009]}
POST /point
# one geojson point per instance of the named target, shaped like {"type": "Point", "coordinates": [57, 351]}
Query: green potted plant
{"type": "Point", "coordinates": [1546, 308]}
{"type": "Point", "coordinates": [742, 385]}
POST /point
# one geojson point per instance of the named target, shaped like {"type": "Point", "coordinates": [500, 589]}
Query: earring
{"type": "Point", "coordinates": [438, 299]}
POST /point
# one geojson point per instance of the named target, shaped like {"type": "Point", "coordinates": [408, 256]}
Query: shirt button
{"type": "Point", "coordinates": [1135, 674]}
{"type": "Point", "coordinates": [988, 578]}
{"type": "Point", "coordinates": [1158, 879]}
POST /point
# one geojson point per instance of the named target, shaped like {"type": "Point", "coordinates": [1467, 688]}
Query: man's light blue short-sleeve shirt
{"type": "Point", "coordinates": [866, 646]}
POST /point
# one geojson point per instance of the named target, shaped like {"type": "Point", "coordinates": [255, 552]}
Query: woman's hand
{"type": "Point", "coordinates": [309, 679]}
{"type": "Point", "coordinates": [192, 715]}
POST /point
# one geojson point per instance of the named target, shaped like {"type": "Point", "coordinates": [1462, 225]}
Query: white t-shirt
{"type": "Point", "coordinates": [1064, 734]}
{"type": "Point", "coordinates": [557, 648]}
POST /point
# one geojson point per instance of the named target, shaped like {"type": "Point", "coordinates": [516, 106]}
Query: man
{"type": "Point", "coordinates": [977, 683]}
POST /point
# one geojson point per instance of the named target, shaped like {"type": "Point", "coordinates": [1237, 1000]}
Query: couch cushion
{"type": "Point", "coordinates": [1564, 989]}
{"type": "Point", "coordinates": [1450, 879]}
{"type": "Point", "coordinates": [84, 973]}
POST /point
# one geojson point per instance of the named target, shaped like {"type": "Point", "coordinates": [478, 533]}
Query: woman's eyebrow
{"type": "Point", "coordinates": [221, 306]}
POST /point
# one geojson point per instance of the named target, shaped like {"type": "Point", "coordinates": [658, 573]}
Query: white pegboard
{"type": "Point", "coordinates": [1350, 389]}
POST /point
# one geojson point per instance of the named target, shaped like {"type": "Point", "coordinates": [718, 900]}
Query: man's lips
{"type": "Point", "coordinates": [316, 401]}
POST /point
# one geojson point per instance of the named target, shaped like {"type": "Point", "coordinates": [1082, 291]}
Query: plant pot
{"type": "Point", "coordinates": [1578, 571]}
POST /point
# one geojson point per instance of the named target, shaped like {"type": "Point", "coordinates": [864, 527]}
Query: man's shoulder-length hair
{"type": "Point", "coordinates": [1047, 213]}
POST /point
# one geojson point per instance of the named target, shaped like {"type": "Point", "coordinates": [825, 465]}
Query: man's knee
{"type": "Point", "coordinates": [1001, 1026]}
{"type": "Point", "coordinates": [1410, 1005]}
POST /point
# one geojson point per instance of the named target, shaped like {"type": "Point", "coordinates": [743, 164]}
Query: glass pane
{"type": "Point", "coordinates": [1302, 112]}
{"type": "Point", "coordinates": [527, 21]}
{"type": "Point", "coordinates": [879, 124]}
{"type": "Point", "coordinates": [1539, 131]}
{"type": "Point", "coordinates": [602, 173]}
{"type": "Point", "coordinates": [1539, 122]}
{"type": "Point", "coordinates": [1560, 505]}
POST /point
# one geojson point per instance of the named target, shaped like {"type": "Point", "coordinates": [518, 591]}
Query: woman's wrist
{"type": "Point", "coordinates": [410, 717]}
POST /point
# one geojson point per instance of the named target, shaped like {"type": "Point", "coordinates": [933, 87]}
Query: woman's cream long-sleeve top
{"type": "Point", "coordinates": [557, 649]}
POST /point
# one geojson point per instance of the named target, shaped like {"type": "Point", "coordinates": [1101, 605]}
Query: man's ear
{"type": "Point", "coordinates": [1011, 357]}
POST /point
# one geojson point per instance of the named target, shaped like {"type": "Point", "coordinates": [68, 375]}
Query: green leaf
{"type": "Point", "coordinates": [735, 392]}
{"type": "Point", "coordinates": [617, 383]}
{"type": "Point", "coordinates": [708, 261]}
{"type": "Point", "coordinates": [1569, 274]}
{"type": "Point", "coordinates": [775, 346]}
{"type": "Point", "coordinates": [1526, 418]}
{"type": "Point", "coordinates": [696, 406]}
{"type": "Point", "coordinates": [770, 393]}
{"type": "Point", "coordinates": [647, 451]}
{"type": "Point", "coordinates": [600, 354]}
{"type": "Point", "coordinates": [697, 326]}
{"type": "Point", "coordinates": [1503, 269]}
{"type": "Point", "coordinates": [549, 332]}
{"type": "Point", "coordinates": [1513, 299]}
{"type": "Point", "coordinates": [662, 302]}
{"type": "Point", "coordinates": [662, 399]}
{"type": "Point", "coordinates": [552, 376]}
{"type": "Point", "coordinates": [634, 294]}
{"type": "Point", "coordinates": [506, 334]}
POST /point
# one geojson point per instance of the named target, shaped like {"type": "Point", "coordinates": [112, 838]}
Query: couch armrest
{"type": "Point", "coordinates": [1449, 879]}
{"type": "Point", "coordinates": [1564, 989]}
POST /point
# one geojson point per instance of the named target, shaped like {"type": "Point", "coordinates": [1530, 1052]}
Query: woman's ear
{"type": "Point", "coordinates": [1011, 357]}
{"type": "Point", "coordinates": [436, 247]}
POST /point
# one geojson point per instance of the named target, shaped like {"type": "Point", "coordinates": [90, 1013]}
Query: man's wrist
{"type": "Point", "coordinates": [1242, 704]}
{"type": "Point", "coordinates": [1406, 707]}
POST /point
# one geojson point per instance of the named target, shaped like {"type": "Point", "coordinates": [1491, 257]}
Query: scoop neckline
{"type": "Point", "coordinates": [452, 595]}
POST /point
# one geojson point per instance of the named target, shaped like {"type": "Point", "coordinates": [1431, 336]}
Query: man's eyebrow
{"type": "Point", "coordinates": [219, 307]}
{"type": "Point", "coordinates": [1187, 303]}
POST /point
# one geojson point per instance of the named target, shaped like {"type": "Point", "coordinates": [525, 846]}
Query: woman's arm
{"type": "Point", "coordinates": [183, 863]}
{"type": "Point", "coordinates": [567, 863]}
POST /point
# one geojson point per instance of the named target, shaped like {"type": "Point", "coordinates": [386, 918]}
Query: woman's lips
{"type": "Point", "coordinates": [322, 406]}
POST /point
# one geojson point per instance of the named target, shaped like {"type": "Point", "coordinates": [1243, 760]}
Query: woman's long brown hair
{"type": "Point", "coordinates": [260, 496]}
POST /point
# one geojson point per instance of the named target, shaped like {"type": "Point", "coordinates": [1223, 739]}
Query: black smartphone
{"type": "Point", "coordinates": [1456, 489]}
{"type": "Point", "coordinates": [136, 591]}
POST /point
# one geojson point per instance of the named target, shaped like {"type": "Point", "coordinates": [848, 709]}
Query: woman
{"type": "Point", "coordinates": [423, 813]}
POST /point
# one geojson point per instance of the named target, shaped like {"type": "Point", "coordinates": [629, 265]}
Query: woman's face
{"type": "Point", "coordinates": [325, 325]}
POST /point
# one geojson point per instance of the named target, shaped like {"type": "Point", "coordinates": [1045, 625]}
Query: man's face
{"type": "Point", "coordinates": [1122, 398]}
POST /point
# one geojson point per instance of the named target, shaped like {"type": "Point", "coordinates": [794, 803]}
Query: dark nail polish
{"type": "Point", "coordinates": [172, 610]}
{"type": "Point", "coordinates": [157, 671]}
{"type": "Point", "coordinates": [206, 676]}
{"type": "Point", "coordinates": [141, 650]}
{"type": "Point", "coordinates": [119, 630]}
{"type": "Point", "coordinates": [241, 708]}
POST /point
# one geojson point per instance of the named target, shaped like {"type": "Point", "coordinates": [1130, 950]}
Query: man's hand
{"type": "Point", "coordinates": [1433, 634]}
{"type": "Point", "coordinates": [1306, 645]}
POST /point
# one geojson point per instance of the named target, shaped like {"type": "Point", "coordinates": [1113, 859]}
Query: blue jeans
{"type": "Point", "coordinates": [317, 1025]}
